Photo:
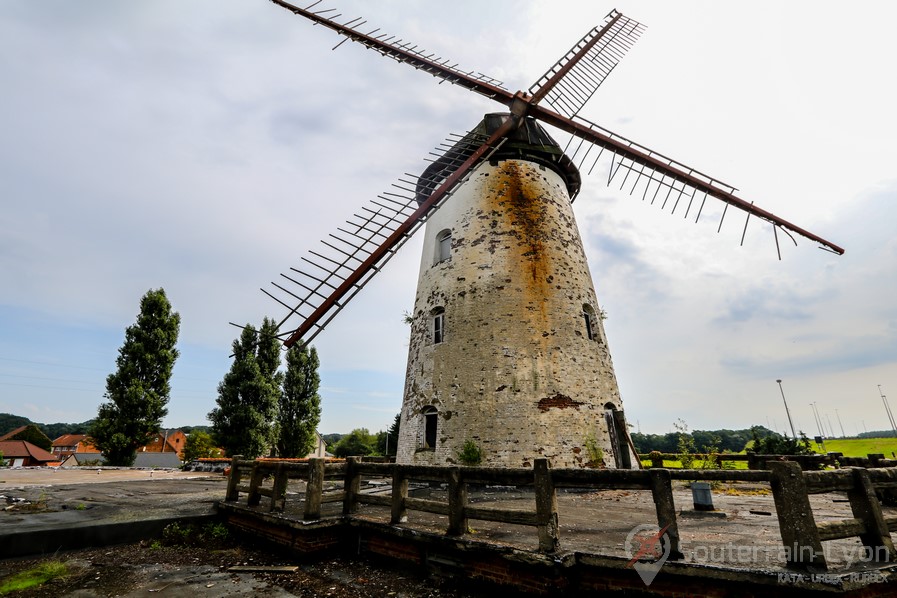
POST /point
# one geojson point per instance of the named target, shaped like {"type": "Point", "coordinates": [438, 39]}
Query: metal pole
{"type": "Point", "coordinates": [838, 415]}
{"type": "Point", "coordinates": [787, 412]}
{"type": "Point", "coordinates": [818, 426]}
{"type": "Point", "coordinates": [816, 418]}
{"type": "Point", "coordinates": [888, 410]}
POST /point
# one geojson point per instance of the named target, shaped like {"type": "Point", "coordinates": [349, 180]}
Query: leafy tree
{"type": "Point", "coordinates": [200, 445]}
{"type": "Point", "coordinates": [332, 439]}
{"type": "Point", "coordinates": [299, 410]}
{"type": "Point", "coordinates": [357, 443]}
{"type": "Point", "coordinates": [32, 434]}
{"type": "Point", "coordinates": [247, 396]}
{"type": "Point", "coordinates": [138, 392]}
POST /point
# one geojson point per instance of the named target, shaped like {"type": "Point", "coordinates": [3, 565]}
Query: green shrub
{"type": "Point", "coordinates": [595, 452]}
{"type": "Point", "coordinates": [470, 453]}
{"type": "Point", "coordinates": [209, 535]}
{"type": "Point", "coordinates": [685, 446]}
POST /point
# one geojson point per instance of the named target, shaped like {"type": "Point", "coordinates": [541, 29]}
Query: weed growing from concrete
{"type": "Point", "coordinates": [33, 577]}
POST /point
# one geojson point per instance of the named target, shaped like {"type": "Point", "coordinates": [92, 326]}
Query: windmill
{"type": "Point", "coordinates": [507, 347]}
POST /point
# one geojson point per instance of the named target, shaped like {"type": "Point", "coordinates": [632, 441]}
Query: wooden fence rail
{"type": "Point", "coordinates": [801, 536]}
{"type": "Point", "coordinates": [758, 461]}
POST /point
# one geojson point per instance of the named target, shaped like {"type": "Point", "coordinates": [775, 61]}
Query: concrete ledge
{"type": "Point", "coordinates": [51, 540]}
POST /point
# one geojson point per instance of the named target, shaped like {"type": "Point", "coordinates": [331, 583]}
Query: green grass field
{"type": "Point", "coordinates": [849, 447]}
{"type": "Point", "coordinates": [859, 447]}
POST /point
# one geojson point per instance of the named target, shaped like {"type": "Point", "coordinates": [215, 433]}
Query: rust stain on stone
{"type": "Point", "coordinates": [523, 227]}
{"type": "Point", "coordinates": [558, 401]}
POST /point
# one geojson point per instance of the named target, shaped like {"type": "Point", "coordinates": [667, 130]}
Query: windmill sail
{"type": "Point", "coordinates": [572, 81]}
{"type": "Point", "coordinates": [661, 177]}
{"type": "Point", "coordinates": [335, 274]}
{"type": "Point", "coordinates": [403, 51]}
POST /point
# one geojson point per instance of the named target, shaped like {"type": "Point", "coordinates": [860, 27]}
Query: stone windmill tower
{"type": "Point", "coordinates": [507, 345]}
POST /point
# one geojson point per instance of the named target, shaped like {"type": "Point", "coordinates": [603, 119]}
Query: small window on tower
{"type": "Point", "coordinates": [430, 419]}
{"type": "Point", "coordinates": [588, 316]}
{"type": "Point", "coordinates": [438, 325]}
{"type": "Point", "coordinates": [443, 246]}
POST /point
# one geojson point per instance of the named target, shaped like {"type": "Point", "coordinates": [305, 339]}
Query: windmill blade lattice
{"type": "Point", "coordinates": [402, 51]}
{"type": "Point", "coordinates": [334, 274]}
{"type": "Point", "coordinates": [569, 84]}
{"type": "Point", "coordinates": [664, 179]}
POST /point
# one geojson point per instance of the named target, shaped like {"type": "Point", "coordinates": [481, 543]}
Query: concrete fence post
{"type": "Point", "coordinates": [279, 488]}
{"type": "Point", "coordinates": [546, 507]}
{"type": "Point", "coordinates": [314, 490]}
{"type": "Point", "coordinates": [255, 482]}
{"type": "Point", "coordinates": [662, 492]}
{"type": "Point", "coordinates": [399, 513]}
{"type": "Point", "coordinates": [352, 485]}
{"type": "Point", "coordinates": [865, 506]}
{"type": "Point", "coordinates": [800, 536]}
{"type": "Point", "coordinates": [233, 480]}
{"type": "Point", "coordinates": [457, 503]}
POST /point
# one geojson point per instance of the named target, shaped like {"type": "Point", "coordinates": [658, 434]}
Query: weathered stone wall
{"type": "Point", "coordinates": [516, 372]}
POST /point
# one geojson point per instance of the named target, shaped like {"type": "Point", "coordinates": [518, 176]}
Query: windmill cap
{"type": "Point", "coordinates": [528, 142]}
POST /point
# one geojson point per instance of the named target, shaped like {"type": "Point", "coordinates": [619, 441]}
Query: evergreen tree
{"type": "Point", "coordinates": [247, 396]}
{"type": "Point", "coordinates": [300, 404]}
{"type": "Point", "coordinates": [138, 392]}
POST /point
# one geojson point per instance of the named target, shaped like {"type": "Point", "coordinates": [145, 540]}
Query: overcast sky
{"type": "Point", "coordinates": [204, 146]}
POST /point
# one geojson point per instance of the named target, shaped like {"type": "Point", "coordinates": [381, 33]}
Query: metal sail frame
{"type": "Point", "coordinates": [393, 217]}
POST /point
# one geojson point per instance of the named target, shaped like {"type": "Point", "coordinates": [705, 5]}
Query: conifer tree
{"type": "Point", "coordinates": [243, 422]}
{"type": "Point", "coordinates": [300, 404]}
{"type": "Point", "coordinates": [139, 390]}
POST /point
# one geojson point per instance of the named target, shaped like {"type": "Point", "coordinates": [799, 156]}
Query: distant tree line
{"type": "Point", "coordinates": [9, 422]}
{"type": "Point", "coordinates": [728, 440]}
{"type": "Point", "coordinates": [877, 434]}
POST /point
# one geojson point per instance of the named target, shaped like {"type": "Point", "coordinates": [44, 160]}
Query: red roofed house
{"type": "Point", "coordinates": [21, 453]}
{"type": "Point", "coordinates": [166, 442]}
{"type": "Point", "coordinates": [70, 444]}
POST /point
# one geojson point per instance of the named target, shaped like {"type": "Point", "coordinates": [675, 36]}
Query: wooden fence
{"type": "Point", "coordinates": [791, 487]}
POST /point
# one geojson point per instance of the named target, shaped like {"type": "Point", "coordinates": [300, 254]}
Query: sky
{"type": "Point", "coordinates": [204, 147]}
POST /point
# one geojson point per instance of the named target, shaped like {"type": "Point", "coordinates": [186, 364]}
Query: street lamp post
{"type": "Point", "coordinates": [888, 410]}
{"type": "Point", "coordinates": [787, 412]}
{"type": "Point", "coordinates": [818, 420]}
